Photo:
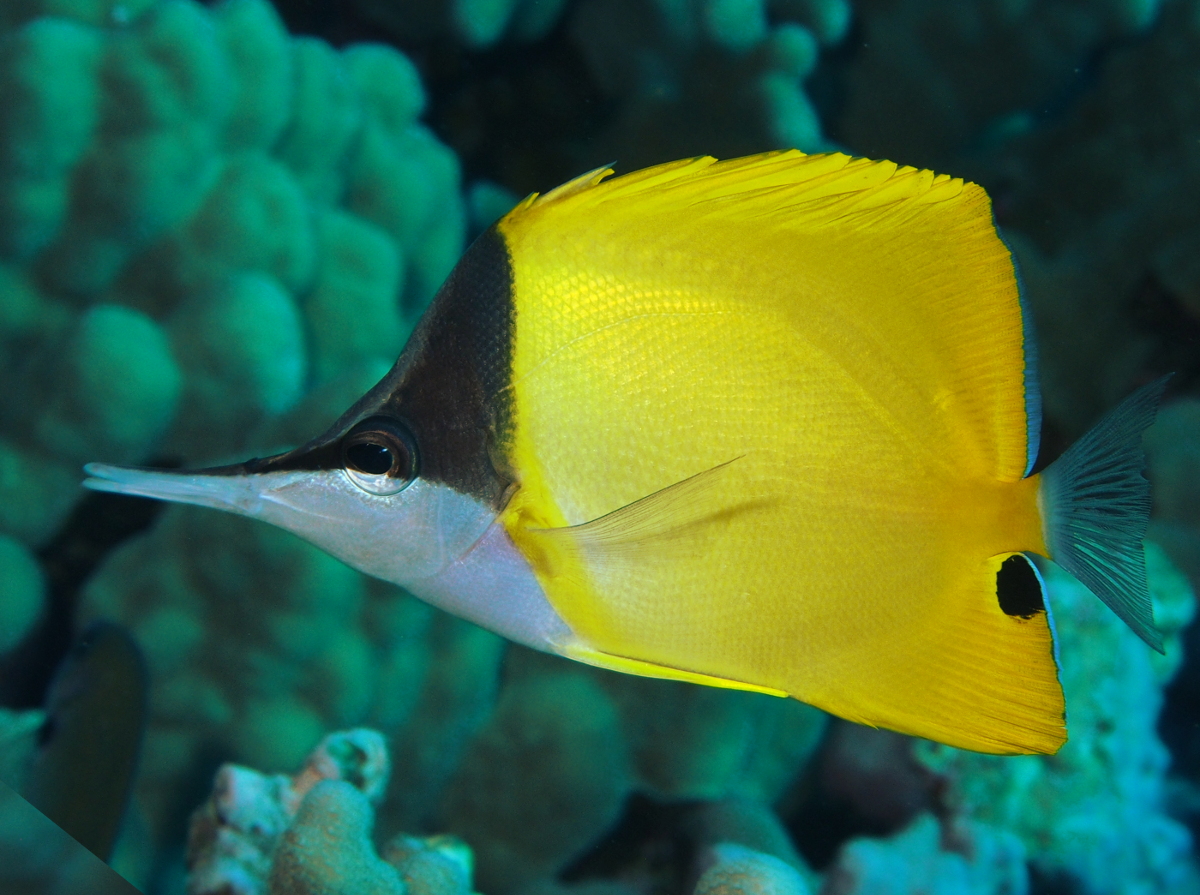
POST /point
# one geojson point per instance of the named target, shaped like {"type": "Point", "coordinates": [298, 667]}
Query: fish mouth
{"type": "Point", "coordinates": [220, 487]}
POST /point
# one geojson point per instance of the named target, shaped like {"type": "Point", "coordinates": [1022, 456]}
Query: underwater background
{"type": "Point", "coordinates": [218, 224]}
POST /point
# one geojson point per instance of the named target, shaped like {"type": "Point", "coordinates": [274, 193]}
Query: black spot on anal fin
{"type": "Point", "coordinates": [1018, 587]}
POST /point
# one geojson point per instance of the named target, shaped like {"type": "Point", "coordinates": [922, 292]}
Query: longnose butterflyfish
{"type": "Point", "coordinates": [766, 423]}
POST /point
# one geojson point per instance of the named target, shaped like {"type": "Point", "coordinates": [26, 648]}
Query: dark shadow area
{"type": "Point", "coordinates": [862, 782]}
{"type": "Point", "coordinates": [646, 843]}
{"type": "Point", "coordinates": [97, 525]}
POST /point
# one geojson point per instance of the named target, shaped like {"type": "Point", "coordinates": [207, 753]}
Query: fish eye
{"type": "Point", "coordinates": [380, 456]}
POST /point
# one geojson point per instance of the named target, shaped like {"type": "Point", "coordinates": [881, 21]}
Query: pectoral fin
{"type": "Point", "coordinates": [579, 558]}
{"type": "Point", "coordinates": [648, 523]}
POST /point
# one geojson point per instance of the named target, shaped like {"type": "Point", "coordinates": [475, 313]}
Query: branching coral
{"type": "Point", "coordinates": [931, 858]}
{"type": "Point", "coordinates": [311, 833]}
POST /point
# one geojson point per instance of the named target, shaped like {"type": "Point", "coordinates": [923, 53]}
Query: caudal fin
{"type": "Point", "coordinates": [1096, 505]}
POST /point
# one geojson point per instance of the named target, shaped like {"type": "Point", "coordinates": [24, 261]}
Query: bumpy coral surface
{"type": "Point", "coordinates": [737, 870]}
{"type": "Point", "coordinates": [201, 221]}
{"type": "Point", "coordinates": [706, 77]}
{"type": "Point", "coordinates": [931, 858]}
{"type": "Point", "coordinates": [311, 833]}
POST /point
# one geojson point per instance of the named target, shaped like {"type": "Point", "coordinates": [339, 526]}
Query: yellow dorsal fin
{"type": "Point", "coordinates": [571, 187]}
{"type": "Point", "coordinates": [782, 185]}
{"type": "Point", "coordinates": [905, 263]}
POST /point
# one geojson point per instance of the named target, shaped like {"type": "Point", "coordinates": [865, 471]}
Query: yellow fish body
{"type": "Point", "coordinates": [765, 423]}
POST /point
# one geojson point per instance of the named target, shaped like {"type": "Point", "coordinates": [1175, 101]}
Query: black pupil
{"type": "Point", "coordinates": [370, 457]}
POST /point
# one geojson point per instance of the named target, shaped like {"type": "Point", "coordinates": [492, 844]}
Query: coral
{"type": "Point", "coordinates": [1173, 454]}
{"type": "Point", "coordinates": [635, 81]}
{"type": "Point", "coordinates": [197, 210]}
{"type": "Point", "coordinates": [705, 77]}
{"type": "Point", "coordinates": [328, 848]}
{"type": "Point", "coordinates": [733, 25]}
{"type": "Point", "coordinates": [932, 858]}
{"type": "Point", "coordinates": [477, 23]}
{"type": "Point", "coordinates": [1095, 811]}
{"type": "Point", "coordinates": [562, 725]}
{"type": "Point", "coordinates": [1173, 458]}
{"type": "Point", "coordinates": [688, 742]}
{"type": "Point", "coordinates": [934, 78]}
{"type": "Point", "coordinates": [22, 592]}
{"type": "Point", "coordinates": [737, 870]}
{"type": "Point", "coordinates": [1105, 245]}
{"type": "Point", "coordinates": [1071, 114]}
{"type": "Point", "coordinates": [431, 865]}
{"type": "Point", "coordinates": [258, 644]}
{"type": "Point", "coordinates": [184, 194]}
{"type": "Point", "coordinates": [235, 834]}
{"type": "Point", "coordinates": [591, 739]}
{"type": "Point", "coordinates": [311, 833]}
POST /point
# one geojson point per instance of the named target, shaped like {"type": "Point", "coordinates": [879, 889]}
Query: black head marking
{"type": "Point", "coordinates": [1018, 587]}
{"type": "Point", "coordinates": [449, 389]}
{"type": "Point", "coordinates": [451, 384]}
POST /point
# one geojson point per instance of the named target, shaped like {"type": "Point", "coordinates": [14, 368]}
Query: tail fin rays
{"type": "Point", "coordinates": [1096, 505]}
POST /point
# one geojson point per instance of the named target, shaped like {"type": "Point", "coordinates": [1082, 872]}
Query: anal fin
{"type": "Point", "coordinates": [588, 656]}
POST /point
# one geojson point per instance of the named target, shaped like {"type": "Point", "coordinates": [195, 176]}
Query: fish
{"type": "Point", "coordinates": [765, 423]}
{"type": "Point", "coordinates": [90, 744]}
